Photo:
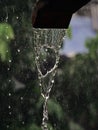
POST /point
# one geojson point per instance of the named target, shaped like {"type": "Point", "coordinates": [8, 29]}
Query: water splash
{"type": "Point", "coordinates": [47, 43]}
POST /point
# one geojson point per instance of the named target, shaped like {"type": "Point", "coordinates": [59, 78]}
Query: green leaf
{"type": "Point", "coordinates": [4, 51]}
{"type": "Point", "coordinates": [6, 32]}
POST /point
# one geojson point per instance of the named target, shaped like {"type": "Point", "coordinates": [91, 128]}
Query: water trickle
{"type": "Point", "coordinates": [47, 43]}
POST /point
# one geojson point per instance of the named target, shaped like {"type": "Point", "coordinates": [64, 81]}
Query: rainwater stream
{"type": "Point", "coordinates": [47, 43]}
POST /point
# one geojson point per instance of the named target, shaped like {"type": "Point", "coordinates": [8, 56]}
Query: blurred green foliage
{"type": "Point", "coordinates": [92, 45]}
{"type": "Point", "coordinates": [69, 32]}
{"type": "Point", "coordinates": [6, 35]}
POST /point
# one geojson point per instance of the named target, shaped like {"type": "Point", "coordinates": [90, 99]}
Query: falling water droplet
{"type": "Point", "coordinates": [7, 37]}
{"type": "Point", "coordinates": [18, 50]}
{"type": "Point", "coordinates": [37, 57]}
{"type": "Point", "coordinates": [23, 122]}
{"type": "Point", "coordinates": [17, 17]}
{"type": "Point", "coordinates": [40, 84]}
{"type": "Point", "coordinates": [52, 81]}
{"type": "Point", "coordinates": [46, 50]}
{"type": "Point", "coordinates": [9, 107]}
{"type": "Point", "coordinates": [9, 80]}
{"type": "Point", "coordinates": [7, 126]}
{"type": "Point", "coordinates": [8, 69]}
{"type": "Point", "coordinates": [44, 60]}
{"type": "Point", "coordinates": [10, 61]}
{"type": "Point", "coordinates": [39, 78]}
{"type": "Point", "coordinates": [21, 98]}
{"type": "Point", "coordinates": [10, 113]}
{"type": "Point", "coordinates": [9, 94]}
